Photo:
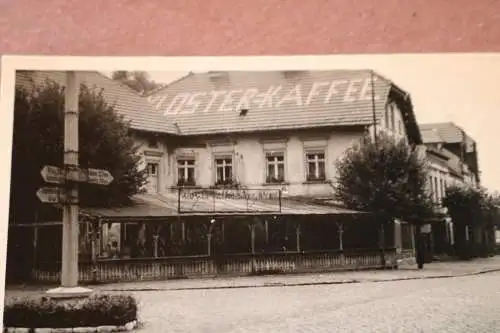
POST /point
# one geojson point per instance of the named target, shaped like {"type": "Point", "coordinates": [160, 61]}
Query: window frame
{"type": "Point", "coordinates": [317, 160]}
{"type": "Point", "coordinates": [186, 165]}
{"type": "Point", "coordinates": [275, 179]}
{"type": "Point", "coordinates": [224, 165]}
{"type": "Point", "coordinates": [157, 167]}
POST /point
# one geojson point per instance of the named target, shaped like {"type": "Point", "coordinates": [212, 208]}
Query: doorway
{"type": "Point", "coordinates": [152, 179]}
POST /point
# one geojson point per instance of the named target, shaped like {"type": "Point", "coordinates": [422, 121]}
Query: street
{"type": "Point", "coordinates": [461, 304]}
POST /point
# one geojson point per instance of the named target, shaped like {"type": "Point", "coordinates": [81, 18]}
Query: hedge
{"type": "Point", "coordinates": [93, 311]}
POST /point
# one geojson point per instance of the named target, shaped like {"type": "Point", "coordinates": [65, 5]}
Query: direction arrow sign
{"type": "Point", "coordinates": [51, 195]}
{"type": "Point", "coordinates": [55, 175]}
{"type": "Point", "coordinates": [55, 195]}
{"type": "Point", "coordinates": [52, 174]}
{"type": "Point", "coordinates": [99, 177]}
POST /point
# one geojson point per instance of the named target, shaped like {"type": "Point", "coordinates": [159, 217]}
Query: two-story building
{"type": "Point", "coordinates": [209, 136]}
{"type": "Point", "coordinates": [454, 164]}
{"type": "Point", "coordinates": [455, 140]}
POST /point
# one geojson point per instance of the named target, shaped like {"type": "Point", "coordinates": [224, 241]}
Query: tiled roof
{"type": "Point", "coordinates": [326, 107]}
{"type": "Point", "coordinates": [156, 206]}
{"type": "Point", "coordinates": [449, 133]}
{"type": "Point", "coordinates": [430, 135]}
{"type": "Point", "coordinates": [127, 102]}
{"type": "Point", "coordinates": [200, 116]}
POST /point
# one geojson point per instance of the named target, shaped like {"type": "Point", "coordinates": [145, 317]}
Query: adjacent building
{"type": "Point", "coordinates": [453, 161]}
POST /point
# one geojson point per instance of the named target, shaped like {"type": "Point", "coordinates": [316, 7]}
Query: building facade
{"type": "Point", "coordinates": [289, 135]}
{"type": "Point", "coordinates": [262, 131]}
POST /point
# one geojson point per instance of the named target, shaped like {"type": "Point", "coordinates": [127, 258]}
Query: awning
{"type": "Point", "coordinates": [149, 206]}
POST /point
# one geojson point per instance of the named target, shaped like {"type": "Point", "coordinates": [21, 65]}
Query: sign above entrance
{"type": "Point", "coordinates": [212, 200]}
{"type": "Point", "coordinates": [275, 96]}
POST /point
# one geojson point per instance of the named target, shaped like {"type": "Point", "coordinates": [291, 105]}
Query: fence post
{"type": "Point", "coordinates": [340, 227]}
{"type": "Point", "coordinates": [93, 239]}
{"type": "Point", "coordinates": [252, 244]}
{"type": "Point", "coordinates": [382, 243]}
{"type": "Point", "coordinates": [179, 200]}
{"type": "Point", "coordinates": [279, 199]}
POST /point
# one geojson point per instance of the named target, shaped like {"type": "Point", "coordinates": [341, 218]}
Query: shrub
{"type": "Point", "coordinates": [45, 312]}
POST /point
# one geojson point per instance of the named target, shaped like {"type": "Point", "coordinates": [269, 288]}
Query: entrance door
{"type": "Point", "coordinates": [152, 185]}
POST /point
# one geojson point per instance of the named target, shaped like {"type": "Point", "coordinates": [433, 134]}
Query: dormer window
{"type": "Point", "coordinates": [218, 78]}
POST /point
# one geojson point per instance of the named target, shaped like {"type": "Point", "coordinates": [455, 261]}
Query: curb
{"type": "Point", "coordinates": [111, 328]}
{"type": "Point", "coordinates": [298, 284]}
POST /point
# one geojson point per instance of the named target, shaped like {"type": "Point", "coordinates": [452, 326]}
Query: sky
{"type": "Point", "coordinates": [463, 89]}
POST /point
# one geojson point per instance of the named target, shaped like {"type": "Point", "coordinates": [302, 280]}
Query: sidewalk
{"type": "Point", "coordinates": [432, 270]}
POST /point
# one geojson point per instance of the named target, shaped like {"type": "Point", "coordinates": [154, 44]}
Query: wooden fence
{"type": "Point", "coordinates": [130, 270]}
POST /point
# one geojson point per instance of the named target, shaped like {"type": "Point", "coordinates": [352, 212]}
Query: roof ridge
{"type": "Point", "coordinates": [167, 85]}
{"type": "Point", "coordinates": [121, 84]}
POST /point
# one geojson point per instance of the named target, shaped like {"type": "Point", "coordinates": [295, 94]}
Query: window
{"type": "Point", "coordinates": [315, 166]}
{"type": "Point", "coordinates": [275, 167]}
{"type": "Point", "coordinates": [436, 193]}
{"type": "Point", "coordinates": [185, 172]}
{"type": "Point", "coordinates": [152, 169]}
{"type": "Point", "coordinates": [443, 190]}
{"type": "Point", "coordinates": [223, 171]}
{"type": "Point", "coordinates": [393, 116]}
{"type": "Point", "coordinates": [387, 116]}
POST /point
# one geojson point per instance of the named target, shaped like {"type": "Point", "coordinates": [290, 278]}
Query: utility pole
{"type": "Point", "coordinates": [375, 141]}
{"type": "Point", "coordinates": [69, 273]}
{"type": "Point", "coordinates": [69, 269]}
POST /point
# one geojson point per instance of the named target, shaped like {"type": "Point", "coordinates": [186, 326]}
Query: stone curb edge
{"type": "Point", "coordinates": [111, 328]}
{"type": "Point", "coordinates": [280, 284]}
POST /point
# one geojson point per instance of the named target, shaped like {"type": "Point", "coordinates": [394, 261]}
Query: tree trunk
{"type": "Point", "coordinates": [382, 243]}
{"type": "Point", "coordinates": [419, 247]}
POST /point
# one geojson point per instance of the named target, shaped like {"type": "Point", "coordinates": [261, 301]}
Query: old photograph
{"type": "Point", "coordinates": [359, 197]}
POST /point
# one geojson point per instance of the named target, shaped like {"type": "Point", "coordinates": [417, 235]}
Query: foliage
{"type": "Point", "coordinates": [385, 177]}
{"type": "Point", "coordinates": [96, 310]}
{"type": "Point", "coordinates": [104, 143]}
{"type": "Point", "coordinates": [469, 205]}
{"type": "Point", "coordinates": [138, 81]}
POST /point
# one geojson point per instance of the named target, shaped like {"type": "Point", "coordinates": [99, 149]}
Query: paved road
{"type": "Point", "coordinates": [462, 304]}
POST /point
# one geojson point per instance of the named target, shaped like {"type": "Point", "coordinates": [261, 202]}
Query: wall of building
{"type": "Point", "coordinates": [391, 123]}
{"type": "Point", "coordinates": [437, 181]}
{"type": "Point", "coordinates": [247, 153]}
{"type": "Point", "coordinates": [248, 156]}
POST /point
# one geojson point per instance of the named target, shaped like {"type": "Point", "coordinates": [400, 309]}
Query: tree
{"type": "Point", "coordinates": [104, 142]}
{"type": "Point", "coordinates": [385, 177]}
{"type": "Point", "coordinates": [473, 208]}
{"type": "Point", "coordinates": [138, 81]}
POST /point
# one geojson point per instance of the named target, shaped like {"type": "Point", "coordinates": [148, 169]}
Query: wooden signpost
{"type": "Point", "coordinates": [66, 192]}
{"type": "Point", "coordinates": [56, 175]}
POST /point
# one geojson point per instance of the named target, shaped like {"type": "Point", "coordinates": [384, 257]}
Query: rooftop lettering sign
{"type": "Point", "coordinates": [275, 96]}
